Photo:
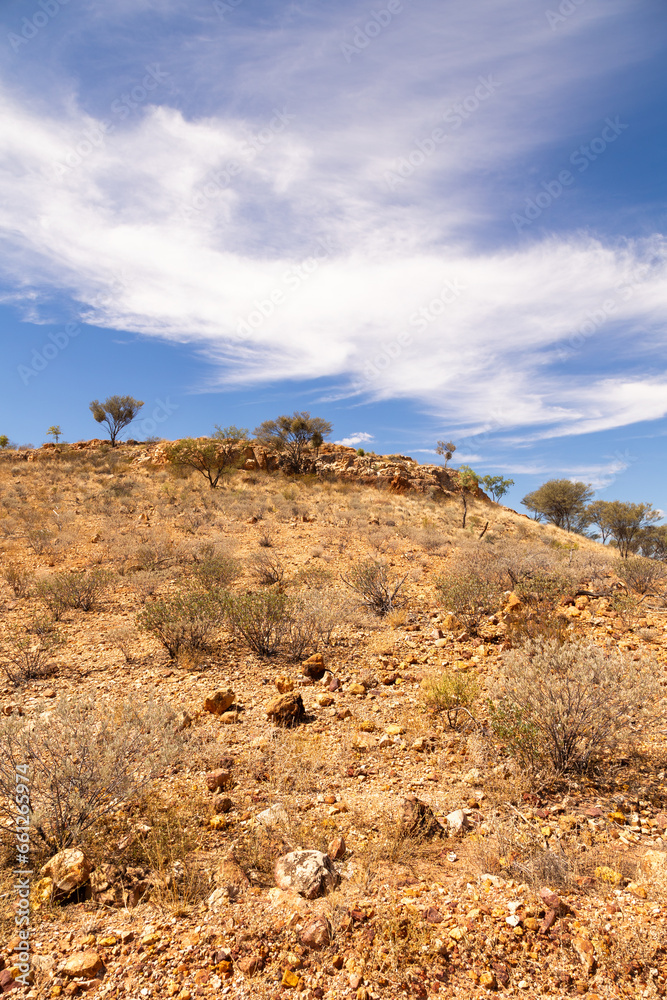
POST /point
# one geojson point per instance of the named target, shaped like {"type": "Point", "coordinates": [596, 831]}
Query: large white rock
{"type": "Point", "coordinates": [310, 873]}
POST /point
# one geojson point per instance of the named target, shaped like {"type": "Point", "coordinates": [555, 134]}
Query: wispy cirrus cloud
{"type": "Point", "coordinates": [260, 228]}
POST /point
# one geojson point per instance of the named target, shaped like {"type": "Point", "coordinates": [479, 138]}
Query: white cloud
{"type": "Point", "coordinates": [299, 263]}
{"type": "Point", "coordinates": [356, 439]}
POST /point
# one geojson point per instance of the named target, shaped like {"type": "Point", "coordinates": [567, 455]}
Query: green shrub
{"type": "Point", "coordinates": [469, 597]}
{"type": "Point", "coordinates": [569, 705]}
{"type": "Point", "coordinates": [184, 622]}
{"type": "Point", "coordinates": [216, 571]}
{"type": "Point", "coordinates": [450, 692]}
{"type": "Point", "coordinates": [262, 619]}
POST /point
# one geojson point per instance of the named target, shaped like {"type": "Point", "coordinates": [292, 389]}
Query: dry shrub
{"type": "Point", "coordinates": [641, 574]}
{"type": "Point", "coordinates": [266, 568]}
{"type": "Point", "coordinates": [18, 578]}
{"type": "Point", "coordinates": [469, 597]}
{"type": "Point", "coordinates": [28, 654]}
{"type": "Point", "coordinates": [570, 705]}
{"type": "Point", "coordinates": [375, 588]}
{"type": "Point", "coordinates": [79, 590]}
{"type": "Point", "coordinates": [516, 849]}
{"type": "Point", "coordinates": [262, 619]}
{"type": "Point", "coordinates": [216, 571]}
{"type": "Point", "coordinates": [84, 758]}
{"type": "Point", "coordinates": [183, 622]}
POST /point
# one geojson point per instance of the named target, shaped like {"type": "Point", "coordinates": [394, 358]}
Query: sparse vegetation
{"type": "Point", "coordinates": [182, 623]}
{"type": "Point", "coordinates": [117, 412]}
{"type": "Point", "coordinates": [376, 589]}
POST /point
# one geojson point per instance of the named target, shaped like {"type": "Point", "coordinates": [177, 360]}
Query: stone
{"type": "Point", "coordinates": [7, 981]}
{"type": "Point", "coordinates": [219, 701]}
{"type": "Point", "coordinates": [334, 684]}
{"type": "Point", "coordinates": [84, 964]}
{"type": "Point", "coordinates": [229, 718]}
{"type": "Point", "coordinates": [218, 779]}
{"type": "Point", "coordinates": [324, 700]}
{"type": "Point", "coordinates": [433, 915]}
{"type": "Point", "coordinates": [393, 729]}
{"type": "Point", "coordinates": [69, 870]}
{"type": "Point", "coordinates": [290, 979]}
{"type": "Point", "coordinates": [488, 981]}
{"type": "Point", "coordinates": [314, 667]}
{"type": "Point", "coordinates": [550, 899]}
{"type": "Point", "coordinates": [273, 816]}
{"type": "Point", "coordinates": [310, 873]}
{"type": "Point", "coordinates": [317, 934]}
{"type": "Point", "coordinates": [286, 709]}
{"type": "Point", "coordinates": [654, 863]}
{"type": "Point", "coordinates": [336, 849]}
{"type": "Point", "coordinates": [585, 951]}
{"type": "Point", "coordinates": [457, 822]}
{"type": "Point", "coordinates": [284, 684]}
{"type": "Point", "coordinates": [357, 689]}
{"type": "Point", "coordinates": [250, 964]}
{"type": "Point", "coordinates": [514, 604]}
{"type": "Point", "coordinates": [418, 819]}
{"type": "Point", "coordinates": [222, 803]}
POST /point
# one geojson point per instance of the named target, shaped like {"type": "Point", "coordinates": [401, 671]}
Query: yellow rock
{"type": "Point", "coordinates": [394, 730]}
{"type": "Point", "coordinates": [218, 822]}
{"type": "Point", "coordinates": [617, 817]}
{"type": "Point", "coordinates": [108, 942]}
{"type": "Point", "coordinates": [606, 874]}
{"type": "Point", "coordinates": [324, 700]}
{"type": "Point", "coordinates": [151, 938]}
{"type": "Point", "coordinates": [289, 978]}
{"type": "Point", "coordinates": [457, 933]}
{"type": "Point", "coordinates": [284, 684]}
{"type": "Point", "coordinates": [637, 890]}
{"type": "Point", "coordinates": [356, 689]}
{"type": "Point", "coordinates": [366, 726]}
{"type": "Point", "coordinates": [488, 980]}
{"type": "Point", "coordinates": [546, 831]}
{"type": "Point", "coordinates": [41, 892]}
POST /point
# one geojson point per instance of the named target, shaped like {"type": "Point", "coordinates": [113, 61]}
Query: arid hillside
{"type": "Point", "coordinates": [353, 733]}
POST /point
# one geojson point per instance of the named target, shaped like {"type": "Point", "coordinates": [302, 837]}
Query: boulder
{"type": "Point", "coordinates": [69, 870]}
{"type": "Point", "coordinates": [84, 964]}
{"type": "Point", "coordinates": [218, 779]}
{"type": "Point", "coordinates": [317, 934]}
{"type": "Point", "coordinates": [418, 819]}
{"type": "Point", "coordinates": [286, 709]}
{"type": "Point", "coordinates": [314, 667]}
{"type": "Point", "coordinates": [310, 873]}
{"type": "Point", "coordinates": [219, 701]}
{"type": "Point", "coordinates": [457, 822]}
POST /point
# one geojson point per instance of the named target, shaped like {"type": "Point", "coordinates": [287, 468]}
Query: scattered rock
{"type": "Point", "coordinates": [284, 684]}
{"type": "Point", "coordinates": [314, 667]}
{"type": "Point", "coordinates": [69, 870]}
{"type": "Point", "coordinates": [222, 803]}
{"type": "Point", "coordinates": [457, 822]}
{"type": "Point", "coordinates": [310, 873]}
{"type": "Point", "coordinates": [334, 684]}
{"type": "Point", "coordinates": [357, 689]}
{"type": "Point", "coordinates": [418, 819]}
{"type": "Point", "coordinates": [653, 863]}
{"type": "Point", "coordinates": [218, 779]}
{"type": "Point", "coordinates": [219, 701]}
{"type": "Point", "coordinates": [250, 964]}
{"type": "Point", "coordinates": [324, 700]}
{"type": "Point", "coordinates": [286, 709]}
{"type": "Point", "coordinates": [273, 816]}
{"type": "Point", "coordinates": [84, 965]}
{"type": "Point", "coordinates": [317, 934]}
{"type": "Point", "coordinates": [336, 849]}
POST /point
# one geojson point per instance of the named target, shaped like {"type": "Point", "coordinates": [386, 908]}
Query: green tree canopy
{"type": "Point", "coordinates": [496, 486]}
{"type": "Point", "coordinates": [207, 456]}
{"type": "Point", "coordinates": [561, 502]}
{"type": "Point", "coordinates": [445, 448]}
{"type": "Point", "coordinates": [291, 435]}
{"type": "Point", "coordinates": [625, 522]}
{"type": "Point", "coordinates": [116, 412]}
{"type": "Point", "coordinates": [55, 431]}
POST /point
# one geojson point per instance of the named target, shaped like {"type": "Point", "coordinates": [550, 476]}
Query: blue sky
{"type": "Point", "coordinates": [420, 219]}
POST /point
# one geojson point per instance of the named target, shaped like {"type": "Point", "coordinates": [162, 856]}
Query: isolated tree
{"type": "Point", "coordinates": [598, 513]}
{"type": "Point", "coordinates": [469, 481]}
{"type": "Point", "coordinates": [496, 486]}
{"type": "Point", "coordinates": [446, 448]}
{"type": "Point", "coordinates": [4, 441]}
{"type": "Point", "coordinates": [291, 435]}
{"type": "Point", "coordinates": [560, 501]}
{"type": "Point", "coordinates": [230, 438]}
{"type": "Point", "coordinates": [205, 455]}
{"type": "Point", "coordinates": [55, 432]}
{"type": "Point", "coordinates": [116, 412]}
{"type": "Point", "coordinates": [316, 442]}
{"type": "Point", "coordinates": [652, 542]}
{"type": "Point", "coordinates": [626, 522]}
